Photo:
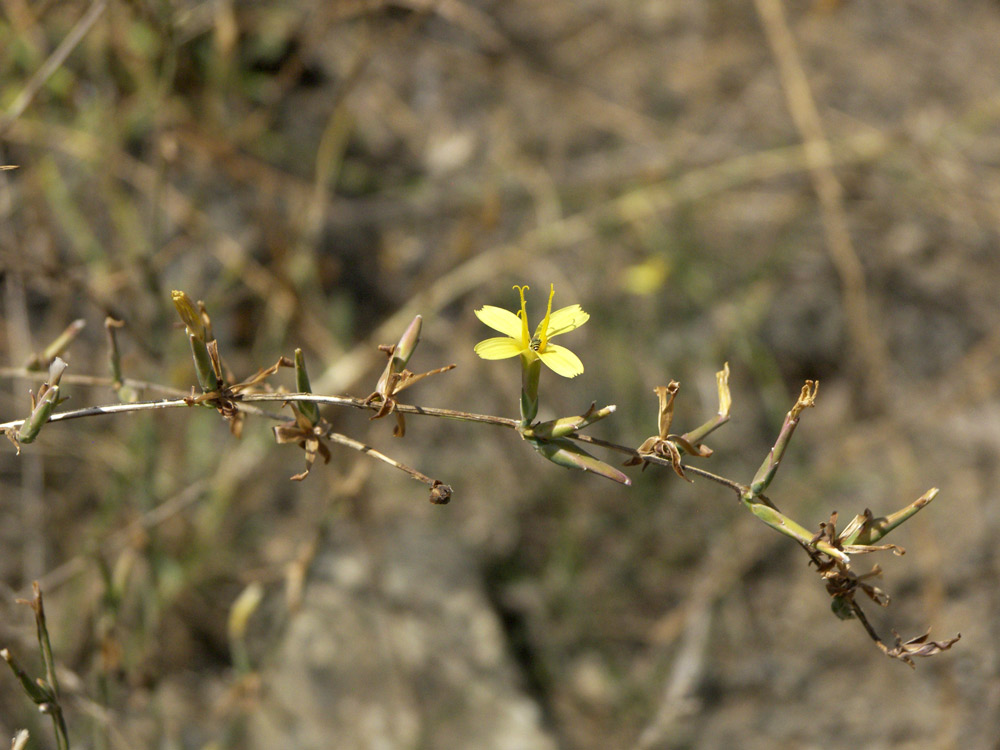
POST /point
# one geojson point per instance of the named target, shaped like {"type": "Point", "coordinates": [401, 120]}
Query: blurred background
{"type": "Point", "coordinates": [805, 189]}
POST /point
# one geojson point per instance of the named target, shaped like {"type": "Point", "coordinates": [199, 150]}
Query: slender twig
{"type": "Point", "coordinates": [736, 487]}
{"type": "Point", "coordinates": [860, 614]}
{"type": "Point", "coordinates": [359, 403]}
{"type": "Point", "coordinates": [93, 411]}
{"type": "Point", "coordinates": [52, 64]}
{"type": "Point", "coordinates": [357, 445]}
{"type": "Point", "coordinates": [441, 493]}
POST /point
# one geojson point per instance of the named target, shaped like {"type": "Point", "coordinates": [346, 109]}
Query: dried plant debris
{"type": "Point", "coordinates": [396, 378]}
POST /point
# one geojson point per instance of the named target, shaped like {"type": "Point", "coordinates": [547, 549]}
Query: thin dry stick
{"type": "Point", "coordinates": [367, 449]}
{"type": "Point", "coordinates": [52, 64]}
{"type": "Point", "coordinates": [868, 349]}
{"type": "Point", "coordinates": [359, 403]}
{"type": "Point", "coordinates": [97, 381]}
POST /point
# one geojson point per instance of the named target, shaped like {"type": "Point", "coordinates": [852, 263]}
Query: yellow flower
{"type": "Point", "coordinates": [516, 339]}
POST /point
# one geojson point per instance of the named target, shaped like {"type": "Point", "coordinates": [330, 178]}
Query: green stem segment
{"type": "Point", "coordinates": [203, 365]}
{"type": "Point", "coordinates": [769, 468]}
{"type": "Point", "coordinates": [47, 399]}
{"type": "Point", "coordinates": [785, 525]}
{"type": "Point", "coordinates": [44, 691]}
{"type": "Point", "coordinates": [531, 370]}
{"type": "Point", "coordinates": [309, 409]}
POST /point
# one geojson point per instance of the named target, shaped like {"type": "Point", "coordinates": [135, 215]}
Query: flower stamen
{"type": "Point", "coordinates": [523, 315]}
{"type": "Point", "coordinates": [544, 327]}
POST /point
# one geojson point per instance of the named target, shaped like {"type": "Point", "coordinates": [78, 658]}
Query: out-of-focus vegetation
{"type": "Point", "coordinates": [319, 172]}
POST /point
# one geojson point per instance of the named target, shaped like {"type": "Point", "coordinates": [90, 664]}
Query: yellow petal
{"type": "Point", "coordinates": [500, 320]}
{"type": "Point", "coordinates": [561, 361]}
{"type": "Point", "coordinates": [566, 319]}
{"type": "Point", "coordinates": [500, 347]}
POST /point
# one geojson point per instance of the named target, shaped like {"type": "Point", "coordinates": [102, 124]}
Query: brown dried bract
{"type": "Point", "coordinates": [307, 436]}
{"type": "Point", "coordinates": [226, 399]}
{"type": "Point", "coordinates": [919, 646]}
{"type": "Point", "coordinates": [390, 384]}
{"type": "Point", "coordinates": [665, 445]}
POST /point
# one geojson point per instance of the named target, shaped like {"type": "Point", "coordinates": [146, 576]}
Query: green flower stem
{"type": "Point", "coordinates": [57, 347]}
{"type": "Point", "coordinates": [785, 525]}
{"type": "Point", "coordinates": [698, 434]}
{"type": "Point", "coordinates": [203, 364]}
{"type": "Point", "coordinates": [247, 399]}
{"type": "Point", "coordinates": [38, 693]}
{"type": "Point", "coordinates": [125, 392]}
{"type": "Point", "coordinates": [872, 531]}
{"type": "Point", "coordinates": [114, 355]}
{"type": "Point", "coordinates": [39, 416]}
{"type": "Point", "coordinates": [42, 632]}
{"type": "Point", "coordinates": [44, 692]}
{"type": "Point", "coordinates": [531, 370]}
{"type": "Point", "coordinates": [769, 468]}
{"type": "Point", "coordinates": [48, 398]}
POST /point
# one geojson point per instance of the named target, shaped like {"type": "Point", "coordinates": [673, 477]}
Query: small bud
{"type": "Point", "coordinates": [189, 315]}
{"type": "Point", "coordinates": [841, 606]}
{"type": "Point", "coordinates": [308, 409]}
{"type": "Point", "coordinates": [568, 425]}
{"type": "Point", "coordinates": [407, 344]}
{"type": "Point", "coordinates": [43, 404]}
{"type": "Point", "coordinates": [440, 493]}
{"type": "Point", "coordinates": [56, 369]}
